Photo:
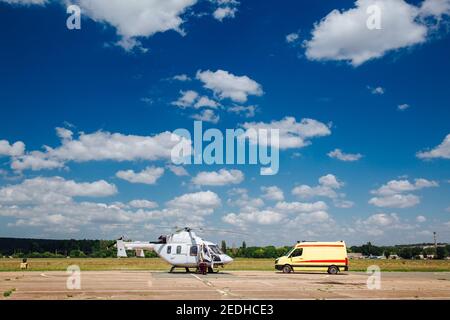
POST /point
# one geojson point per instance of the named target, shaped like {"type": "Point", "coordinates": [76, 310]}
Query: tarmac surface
{"type": "Point", "coordinates": [137, 285]}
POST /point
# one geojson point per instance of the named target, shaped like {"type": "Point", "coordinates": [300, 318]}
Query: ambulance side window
{"type": "Point", "coordinates": [297, 253]}
{"type": "Point", "coordinates": [169, 249]}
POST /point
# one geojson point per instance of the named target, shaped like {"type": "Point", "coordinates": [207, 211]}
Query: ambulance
{"type": "Point", "coordinates": [315, 256]}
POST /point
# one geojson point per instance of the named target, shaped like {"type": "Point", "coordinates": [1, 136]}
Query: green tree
{"type": "Point", "coordinates": [244, 245]}
{"type": "Point", "coordinates": [223, 246]}
{"type": "Point", "coordinates": [441, 252]}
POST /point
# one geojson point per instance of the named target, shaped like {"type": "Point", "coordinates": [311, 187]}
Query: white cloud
{"type": "Point", "coordinates": [191, 99]}
{"type": "Point", "coordinates": [396, 201]}
{"type": "Point", "coordinates": [436, 8]}
{"type": "Point", "coordinates": [265, 217]}
{"type": "Point", "coordinates": [226, 85]}
{"type": "Point", "coordinates": [207, 115]}
{"type": "Point", "coordinates": [226, 12]}
{"type": "Point", "coordinates": [272, 193]}
{"type": "Point", "coordinates": [441, 151]}
{"type": "Point", "coordinates": [399, 186]}
{"type": "Point", "coordinates": [53, 190]}
{"type": "Point", "coordinates": [301, 207]}
{"type": "Point", "coordinates": [148, 176]}
{"type": "Point", "coordinates": [220, 178]}
{"type": "Point", "coordinates": [376, 90]}
{"type": "Point", "coordinates": [247, 111]}
{"type": "Point", "coordinates": [340, 155]}
{"type": "Point", "coordinates": [391, 195]}
{"type": "Point", "coordinates": [243, 201]}
{"type": "Point", "coordinates": [25, 2]}
{"type": "Point", "coordinates": [293, 134]}
{"type": "Point", "coordinates": [225, 9]}
{"type": "Point", "coordinates": [206, 102]}
{"type": "Point", "coordinates": [181, 77]}
{"type": "Point", "coordinates": [292, 37]}
{"type": "Point", "coordinates": [133, 19]}
{"type": "Point", "coordinates": [382, 219]}
{"type": "Point", "coordinates": [421, 219]}
{"type": "Point", "coordinates": [344, 35]}
{"type": "Point", "coordinates": [326, 188]}
{"type": "Point", "coordinates": [186, 99]}
{"type": "Point", "coordinates": [178, 170]}
{"type": "Point", "coordinates": [204, 201]}
{"type": "Point", "coordinates": [403, 107]}
{"type": "Point", "coordinates": [11, 150]}
{"type": "Point", "coordinates": [100, 146]}
{"type": "Point", "coordinates": [143, 204]}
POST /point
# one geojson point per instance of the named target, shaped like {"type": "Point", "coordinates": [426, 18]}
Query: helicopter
{"type": "Point", "coordinates": [182, 249]}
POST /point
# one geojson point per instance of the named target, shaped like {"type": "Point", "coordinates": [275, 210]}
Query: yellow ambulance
{"type": "Point", "coordinates": [315, 256]}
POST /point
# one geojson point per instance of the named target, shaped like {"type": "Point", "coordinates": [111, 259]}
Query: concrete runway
{"type": "Point", "coordinates": [138, 285]}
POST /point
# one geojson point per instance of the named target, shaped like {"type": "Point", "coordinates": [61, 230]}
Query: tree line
{"type": "Point", "coordinates": [42, 248]}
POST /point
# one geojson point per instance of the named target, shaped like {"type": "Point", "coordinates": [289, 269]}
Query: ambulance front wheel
{"type": "Point", "coordinates": [287, 269]}
{"type": "Point", "coordinates": [333, 270]}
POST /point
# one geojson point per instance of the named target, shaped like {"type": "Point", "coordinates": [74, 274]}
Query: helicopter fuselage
{"type": "Point", "coordinates": [183, 249]}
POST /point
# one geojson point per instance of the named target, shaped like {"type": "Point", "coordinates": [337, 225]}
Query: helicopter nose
{"type": "Point", "coordinates": [226, 259]}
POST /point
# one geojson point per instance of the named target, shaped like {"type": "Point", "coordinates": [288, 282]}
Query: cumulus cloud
{"type": "Point", "coordinates": [265, 217]}
{"type": "Point", "coordinates": [396, 201]}
{"type": "Point", "coordinates": [247, 111]}
{"type": "Point", "coordinates": [11, 150]}
{"type": "Point", "coordinates": [293, 134]}
{"type": "Point", "coordinates": [273, 193]}
{"type": "Point", "coordinates": [100, 146]}
{"type": "Point", "coordinates": [181, 77]}
{"type": "Point", "coordinates": [186, 99]}
{"type": "Point", "coordinates": [134, 19]}
{"type": "Point", "coordinates": [376, 90]}
{"type": "Point", "coordinates": [220, 178]}
{"type": "Point", "coordinates": [399, 186]}
{"type": "Point", "coordinates": [207, 115]}
{"type": "Point", "coordinates": [403, 107]}
{"type": "Point", "coordinates": [441, 151]}
{"type": "Point", "coordinates": [53, 190]}
{"type": "Point", "coordinates": [178, 170]}
{"type": "Point", "coordinates": [203, 202]}
{"type": "Point", "coordinates": [301, 207]}
{"type": "Point", "coordinates": [327, 187]}
{"type": "Point", "coordinates": [292, 37]}
{"type": "Point", "coordinates": [227, 85]}
{"type": "Point", "coordinates": [225, 9]}
{"type": "Point", "coordinates": [52, 216]}
{"type": "Point", "coordinates": [421, 219]}
{"type": "Point", "coordinates": [25, 2]}
{"type": "Point", "coordinates": [340, 155]}
{"type": "Point", "coordinates": [345, 36]}
{"type": "Point", "coordinates": [148, 176]}
{"type": "Point", "coordinates": [392, 194]}
{"type": "Point", "coordinates": [143, 204]}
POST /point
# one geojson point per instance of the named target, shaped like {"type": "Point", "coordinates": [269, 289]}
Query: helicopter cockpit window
{"type": "Point", "coordinates": [178, 249]}
{"type": "Point", "coordinates": [215, 249]}
{"type": "Point", "coordinates": [169, 249]}
{"type": "Point", "coordinates": [194, 251]}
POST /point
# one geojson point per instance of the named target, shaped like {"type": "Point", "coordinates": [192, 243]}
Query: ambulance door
{"type": "Point", "coordinates": [297, 259]}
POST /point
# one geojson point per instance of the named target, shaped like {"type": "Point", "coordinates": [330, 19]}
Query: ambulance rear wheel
{"type": "Point", "coordinates": [287, 269]}
{"type": "Point", "coordinates": [333, 270]}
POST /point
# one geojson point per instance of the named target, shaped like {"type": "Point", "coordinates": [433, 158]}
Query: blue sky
{"type": "Point", "coordinates": [379, 96]}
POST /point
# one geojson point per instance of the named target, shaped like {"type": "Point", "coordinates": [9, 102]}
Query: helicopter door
{"type": "Point", "coordinates": [179, 256]}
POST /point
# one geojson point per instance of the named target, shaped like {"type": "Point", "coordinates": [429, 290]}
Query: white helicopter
{"type": "Point", "coordinates": [182, 249]}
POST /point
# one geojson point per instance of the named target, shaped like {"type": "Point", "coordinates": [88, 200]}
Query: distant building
{"type": "Point", "coordinates": [355, 255]}
{"type": "Point", "coordinates": [393, 257]}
